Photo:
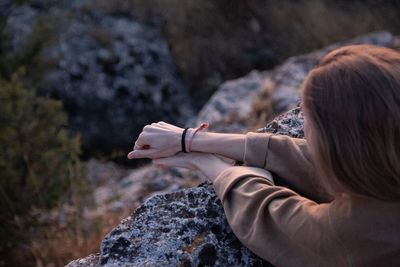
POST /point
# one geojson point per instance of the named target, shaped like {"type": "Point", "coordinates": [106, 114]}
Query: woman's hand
{"type": "Point", "coordinates": [157, 140]}
{"type": "Point", "coordinates": [210, 165]}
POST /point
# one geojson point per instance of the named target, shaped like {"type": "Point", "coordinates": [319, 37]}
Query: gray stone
{"type": "Point", "coordinates": [231, 105]}
{"type": "Point", "coordinates": [90, 261]}
{"type": "Point", "coordinates": [19, 27]}
{"type": "Point", "coordinates": [288, 77]}
{"type": "Point", "coordinates": [185, 228]}
{"type": "Point", "coordinates": [290, 123]}
{"type": "Point", "coordinates": [114, 75]}
{"type": "Point", "coordinates": [234, 106]}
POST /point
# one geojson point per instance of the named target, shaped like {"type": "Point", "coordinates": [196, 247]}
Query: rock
{"type": "Point", "coordinates": [289, 76]}
{"type": "Point", "coordinates": [251, 101]}
{"type": "Point", "coordinates": [185, 228]}
{"type": "Point", "coordinates": [113, 74]}
{"type": "Point", "coordinates": [290, 123]}
{"type": "Point", "coordinates": [283, 89]}
{"type": "Point", "coordinates": [116, 86]}
{"type": "Point", "coordinates": [90, 261]}
{"type": "Point", "coordinates": [19, 27]}
{"type": "Point", "coordinates": [121, 195]}
{"type": "Point", "coordinates": [230, 106]}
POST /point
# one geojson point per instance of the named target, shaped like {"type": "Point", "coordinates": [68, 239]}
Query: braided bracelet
{"type": "Point", "coordinates": [202, 126]}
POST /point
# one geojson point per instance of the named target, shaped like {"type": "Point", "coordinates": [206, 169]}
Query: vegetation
{"type": "Point", "coordinates": [216, 40]}
{"type": "Point", "coordinates": [39, 161]}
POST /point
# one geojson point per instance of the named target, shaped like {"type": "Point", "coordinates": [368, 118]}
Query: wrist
{"type": "Point", "coordinates": [189, 137]}
{"type": "Point", "coordinates": [210, 165]}
{"type": "Point", "coordinates": [198, 140]}
{"type": "Point", "coordinates": [192, 133]}
{"type": "Point", "coordinates": [178, 141]}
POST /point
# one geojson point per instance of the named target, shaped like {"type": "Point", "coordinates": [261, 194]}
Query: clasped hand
{"type": "Point", "coordinates": [161, 142]}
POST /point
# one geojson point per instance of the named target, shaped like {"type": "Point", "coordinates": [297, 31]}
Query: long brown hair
{"type": "Point", "coordinates": [352, 104]}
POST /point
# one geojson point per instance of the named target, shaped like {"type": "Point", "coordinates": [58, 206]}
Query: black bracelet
{"type": "Point", "coordinates": [183, 144]}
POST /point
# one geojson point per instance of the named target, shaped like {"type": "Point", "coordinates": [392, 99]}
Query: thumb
{"type": "Point", "coordinates": [143, 153]}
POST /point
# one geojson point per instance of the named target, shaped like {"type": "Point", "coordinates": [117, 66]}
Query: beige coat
{"type": "Point", "coordinates": [299, 226]}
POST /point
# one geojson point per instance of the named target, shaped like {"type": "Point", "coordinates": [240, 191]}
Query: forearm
{"type": "Point", "coordinates": [210, 165]}
{"type": "Point", "coordinates": [270, 219]}
{"type": "Point", "coordinates": [227, 145]}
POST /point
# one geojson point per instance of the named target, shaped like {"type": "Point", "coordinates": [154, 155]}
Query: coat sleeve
{"type": "Point", "coordinates": [288, 159]}
{"type": "Point", "coordinates": [274, 222]}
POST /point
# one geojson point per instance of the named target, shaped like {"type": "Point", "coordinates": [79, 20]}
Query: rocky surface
{"type": "Point", "coordinates": [113, 74]}
{"type": "Point", "coordinates": [120, 193]}
{"type": "Point", "coordinates": [90, 261]}
{"type": "Point", "coordinates": [281, 91]}
{"type": "Point", "coordinates": [290, 123]}
{"type": "Point", "coordinates": [230, 107]}
{"type": "Point", "coordinates": [250, 102]}
{"type": "Point", "coordinates": [185, 228]}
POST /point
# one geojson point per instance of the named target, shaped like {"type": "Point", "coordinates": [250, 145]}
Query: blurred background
{"type": "Point", "coordinates": [79, 79]}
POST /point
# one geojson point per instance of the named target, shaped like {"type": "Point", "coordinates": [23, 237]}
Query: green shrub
{"type": "Point", "coordinates": [39, 161]}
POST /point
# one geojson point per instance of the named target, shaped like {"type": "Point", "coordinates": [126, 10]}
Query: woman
{"type": "Point", "coordinates": [342, 203]}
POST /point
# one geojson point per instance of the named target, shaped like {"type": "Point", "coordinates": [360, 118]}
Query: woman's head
{"type": "Point", "coordinates": [351, 101]}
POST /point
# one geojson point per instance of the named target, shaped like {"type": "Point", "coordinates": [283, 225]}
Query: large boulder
{"type": "Point", "coordinates": [281, 91]}
{"type": "Point", "coordinates": [251, 101]}
{"type": "Point", "coordinates": [113, 74]}
{"type": "Point", "coordinates": [230, 107]}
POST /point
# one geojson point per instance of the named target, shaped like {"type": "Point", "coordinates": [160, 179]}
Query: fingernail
{"type": "Point", "coordinates": [131, 155]}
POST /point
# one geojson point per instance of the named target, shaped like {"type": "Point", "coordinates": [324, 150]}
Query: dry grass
{"type": "Point", "coordinates": [213, 41]}
{"type": "Point", "coordinates": [56, 244]}
{"type": "Point", "coordinates": [302, 26]}
{"type": "Point", "coordinates": [216, 40]}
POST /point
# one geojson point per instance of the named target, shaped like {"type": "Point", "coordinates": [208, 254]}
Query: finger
{"type": "Point", "coordinates": [142, 140]}
{"type": "Point", "coordinates": [140, 146]}
{"type": "Point", "coordinates": [147, 127]}
{"type": "Point", "coordinates": [137, 154]}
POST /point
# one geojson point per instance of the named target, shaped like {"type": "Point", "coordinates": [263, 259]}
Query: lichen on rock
{"type": "Point", "coordinates": [184, 228]}
{"type": "Point", "coordinates": [110, 72]}
{"type": "Point", "coordinates": [290, 123]}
